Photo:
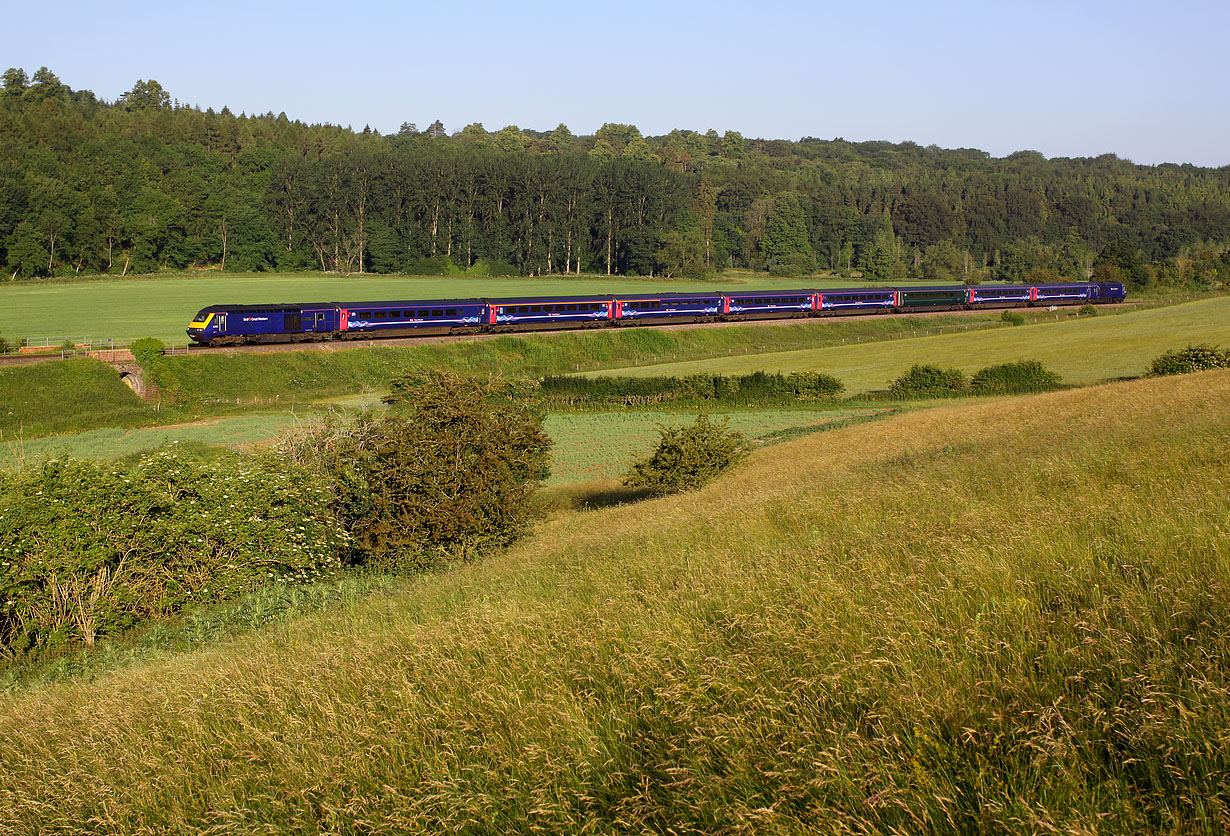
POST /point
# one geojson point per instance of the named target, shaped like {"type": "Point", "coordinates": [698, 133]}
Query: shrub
{"type": "Point", "coordinates": [756, 389]}
{"type": "Point", "coordinates": [1012, 318]}
{"type": "Point", "coordinates": [1012, 378]}
{"type": "Point", "coordinates": [688, 457]}
{"type": "Point", "coordinates": [147, 351]}
{"type": "Point", "coordinates": [5, 347]}
{"type": "Point", "coordinates": [1194, 358]}
{"type": "Point", "coordinates": [87, 550]}
{"type": "Point", "coordinates": [928, 381]}
{"type": "Point", "coordinates": [447, 474]}
{"type": "Point", "coordinates": [1087, 309]}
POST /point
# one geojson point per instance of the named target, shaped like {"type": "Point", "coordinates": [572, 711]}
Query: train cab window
{"type": "Point", "coordinates": [381, 314]}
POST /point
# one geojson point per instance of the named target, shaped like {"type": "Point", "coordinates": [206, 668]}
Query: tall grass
{"type": "Point", "coordinates": [1008, 616]}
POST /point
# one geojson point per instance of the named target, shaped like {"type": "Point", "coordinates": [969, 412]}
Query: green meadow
{"type": "Point", "coordinates": [1083, 350]}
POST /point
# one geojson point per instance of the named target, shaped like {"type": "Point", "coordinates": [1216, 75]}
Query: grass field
{"type": "Point", "coordinates": [127, 309]}
{"type": "Point", "coordinates": [1086, 350]}
{"type": "Point", "coordinates": [929, 623]}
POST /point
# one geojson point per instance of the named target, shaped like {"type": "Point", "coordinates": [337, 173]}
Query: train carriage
{"type": "Point", "coordinates": [538, 313]}
{"type": "Point", "coordinates": [668, 307]}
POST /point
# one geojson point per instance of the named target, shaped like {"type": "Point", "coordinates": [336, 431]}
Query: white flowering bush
{"type": "Point", "coordinates": [87, 549]}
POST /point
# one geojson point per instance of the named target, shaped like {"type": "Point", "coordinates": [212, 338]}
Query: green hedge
{"type": "Point", "coordinates": [1014, 378]}
{"type": "Point", "coordinates": [756, 389]}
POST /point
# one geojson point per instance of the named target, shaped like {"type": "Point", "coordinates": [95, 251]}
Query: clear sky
{"type": "Point", "coordinates": [1147, 81]}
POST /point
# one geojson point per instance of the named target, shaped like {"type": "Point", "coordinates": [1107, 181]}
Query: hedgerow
{"type": "Point", "coordinates": [88, 550]}
{"type": "Point", "coordinates": [756, 389]}
{"type": "Point", "coordinates": [1014, 378]}
{"type": "Point", "coordinates": [927, 381]}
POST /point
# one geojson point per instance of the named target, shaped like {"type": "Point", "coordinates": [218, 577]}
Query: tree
{"type": "Point", "coordinates": [15, 83]}
{"type": "Point", "coordinates": [560, 139]}
{"type": "Point", "coordinates": [146, 95]}
{"type": "Point", "coordinates": [510, 138]}
{"type": "Point", "coordinates": [448, 473]}
{"type": "Point", "coordinates": [786, 230]}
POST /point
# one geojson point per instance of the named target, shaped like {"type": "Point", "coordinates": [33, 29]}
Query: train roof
{"type": "Point", "coordinates": [410, 303]}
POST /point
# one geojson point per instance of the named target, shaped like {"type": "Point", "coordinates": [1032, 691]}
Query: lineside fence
{"type": "Point", "coordinates": [64, 347]}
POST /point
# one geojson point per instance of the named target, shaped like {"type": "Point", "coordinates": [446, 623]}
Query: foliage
{"type": "Point", "coordinates": [755, 389]}
{"type": "Point", "coordinates": [1013, 378]}
{"type": "Point", "coordinates": [1194, 358]}
{"type": "Point", "coordinates": [148, 352]}
{"type": "Point", "coordinates": [1087, 310]}
{"type": "Point", "coordinates": [147, 183]}
{"type": "Point", "coordinates": [1012, 318]}
{"type": "Point", "coordinates": [927, 381]}
{"type": "Point", "coordinates": [687, 457]}
{"type": "Point", "coordinates": [88, 550]}
{"type": "Point", "coordinates": [446, 475]}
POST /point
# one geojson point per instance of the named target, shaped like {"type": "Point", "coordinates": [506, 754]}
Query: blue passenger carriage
{"type": "Point", "coordinates": [410, 317]}
{"type": "Point", "coordinates": [668, 307]}
{"type": "Point", "coordinates": [536, 313]}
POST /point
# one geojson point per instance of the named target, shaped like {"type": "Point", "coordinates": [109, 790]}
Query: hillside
{"type": "Point", "coordinates": [1006, 615]}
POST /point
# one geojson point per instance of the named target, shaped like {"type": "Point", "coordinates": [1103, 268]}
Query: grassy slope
{"type": "Point", "coordinates": [126, 309]}
{"type": "Point", "coordinates": [955, 620]}
{"type": "Point", "coordinates": [63, 396]}
{"type": "Point", "coordinates": [1082, 350]}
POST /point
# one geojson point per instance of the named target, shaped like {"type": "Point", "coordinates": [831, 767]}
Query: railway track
{"type": "Point", "coordinates": [109, 355]}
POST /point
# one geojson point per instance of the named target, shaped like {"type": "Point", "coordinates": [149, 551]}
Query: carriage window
{"type": "Point", "coordinates": [437, 313]}
{"type": "Point", "coordinates": [657, 304]}
{"type": "Point", "coordinates": [535, 308]}
{"type": "Point", "coordinates": [451, 312]}
{"type": "Point", "coordinates": [572, 307]}
{"type": "Point", "coordinates": [394, 314]}
{"type": "Point", "coordinates": [381, 314]}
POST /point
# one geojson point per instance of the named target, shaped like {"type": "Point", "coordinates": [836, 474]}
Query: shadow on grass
{"type": "Point", "coordinates": [587, 496]}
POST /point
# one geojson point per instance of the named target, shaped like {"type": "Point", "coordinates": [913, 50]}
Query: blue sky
{"type": "Point", "coordinates": [1146, 81]}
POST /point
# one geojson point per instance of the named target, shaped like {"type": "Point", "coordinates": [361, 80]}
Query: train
{"type": "Point", "coordinates": [298, 322]}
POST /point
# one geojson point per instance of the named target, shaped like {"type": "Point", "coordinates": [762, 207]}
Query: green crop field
{"type": "Point", "coordinates": [127, 309]}
{"type": "Point", "coordinates": [888, 628]}
{"type": "Point", "coordinates": [1084, 350]}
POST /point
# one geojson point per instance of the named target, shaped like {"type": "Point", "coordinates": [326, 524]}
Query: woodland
{"type": "Point", "coordinates": [147, 184]}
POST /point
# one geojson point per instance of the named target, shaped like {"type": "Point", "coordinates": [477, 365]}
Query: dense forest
{"type": "Point", "coordinates": [146, 183]}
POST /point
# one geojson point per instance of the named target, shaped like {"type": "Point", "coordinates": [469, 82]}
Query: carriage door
{"type": "Point", "coordinates": [319, 324]}
{"type": "Point", "coordinates": [292, 322]}
{"type": "Point", "coordinates": [220, 319]}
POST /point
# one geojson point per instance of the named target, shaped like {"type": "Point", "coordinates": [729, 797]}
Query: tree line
{"type": "Point", "coordinates": [147, 183]}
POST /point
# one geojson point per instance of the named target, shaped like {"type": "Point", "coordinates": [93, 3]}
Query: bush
{"type": "Point", "coordinates": [1014, 378]}
{"type": "Point", "coordinates": [492, 267]}
{"type": "Point", "coordinates": [147, 351]}
{"type": "Point", "coordinates": [1087, 309]}
{"type": "Point", "coordinates": [688, 457]}
{"type": "Point", "coordinates": [447, 474]}
{"type": "Point", "coordinates": [756, 389]}
{"type": "Point", "coordinates": [1194, 358]}
{"type": "Point", "coordinates": [87, 550]}
{"type": "Point", "coordinates": [1012, 318]}
{"type": "Point", "coordinates": [928, 382]}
